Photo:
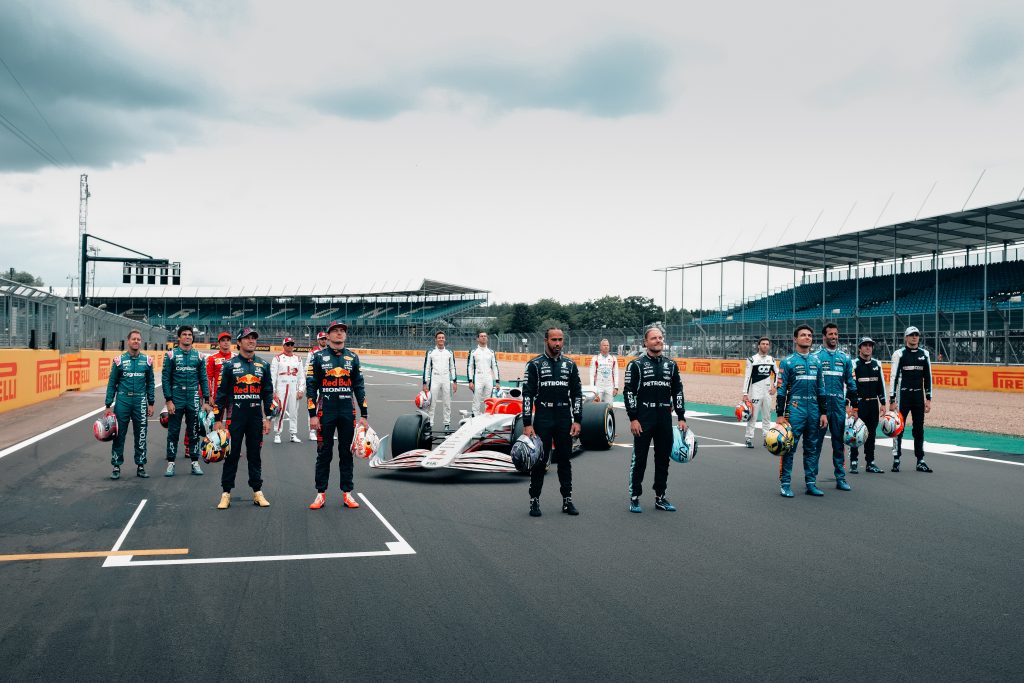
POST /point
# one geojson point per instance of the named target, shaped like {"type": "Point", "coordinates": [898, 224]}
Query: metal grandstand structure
{"type": "Point", "coordinates": [297, 311]}
{"type": "Point", "coordinates": [957, 276]}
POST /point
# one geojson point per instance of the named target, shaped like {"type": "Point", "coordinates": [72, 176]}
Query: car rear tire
{"type": "Point", "coordinates": [409, 433]}
{"type": "Point", "coordinates": [597, 432]}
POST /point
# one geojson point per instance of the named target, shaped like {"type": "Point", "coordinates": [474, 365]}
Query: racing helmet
{"type": "Point", "coordinates": [165, 417]}
{"type": "Point", "coordinates": [527, 451]}
{"type": "Point", "coordinates": [422, 400]}
{"type": "Point", "coordinates": [275, 408]}
{"type": "Point", "coordinates": [744, 410]}
{"type": "Point", "coordinates": [216, 445]}
{"type": "Point", "coordinates": [365, 442]}
{"type": "Point", "coordinates": [855, 432]}
{"type": "Point", "coordinates": [778, 439]}
{"type": "Point", "coordinates": [684, 445]}
{"type": "Point", "coordinates": [206, 420]}
{"type": "Point", "coordinates": [105, 428]}
{"type": "Point", "coordinates": [892, 424]}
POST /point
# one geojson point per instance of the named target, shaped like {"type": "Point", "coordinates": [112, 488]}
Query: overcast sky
{"type": "Point", "coordinates": [533, 149]}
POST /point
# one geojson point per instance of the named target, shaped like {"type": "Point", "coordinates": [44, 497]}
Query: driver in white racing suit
{"type": "Point", "coordinates": [758, 385]}
{"type": "Point", "coordinates": [604, 373]}
{"type": "Point", "coordinates": [289, 375]}
{"type": "Point", "coordinates": [440, 378]}
{"type": "Point", "coordinates": [482, 371]}
{"type": "Point", "coordinates": [321, 343]}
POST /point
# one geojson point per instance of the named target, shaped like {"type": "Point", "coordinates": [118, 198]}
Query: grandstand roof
{"type": "Point", "coordinates": [341, 290]}
{"type": "Point", "coordinates": [956, 231]}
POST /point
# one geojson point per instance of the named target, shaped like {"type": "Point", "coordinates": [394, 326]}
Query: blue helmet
{"type": "Point", "coordinates": [684, 445]}
{"type": "Point", "coordinates": [527, 451]}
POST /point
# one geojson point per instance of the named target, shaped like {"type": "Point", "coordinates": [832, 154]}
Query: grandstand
{"type": "Point", "coordinates": [294, 311]}
{"type": "Point", "coordinates": [958, 277]}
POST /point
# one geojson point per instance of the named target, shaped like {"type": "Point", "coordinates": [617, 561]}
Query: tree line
{"type": "Point", "coordinates": [608, 311]}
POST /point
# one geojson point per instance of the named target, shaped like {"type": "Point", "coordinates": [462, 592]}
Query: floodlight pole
{"type": "Point", "coordinates": [984, 292]}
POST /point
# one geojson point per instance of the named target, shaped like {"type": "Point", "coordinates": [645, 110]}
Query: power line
{"type": "Point", "coordinates": [30, 100]}
{"type": "Point", "coordinates": [27, 139]}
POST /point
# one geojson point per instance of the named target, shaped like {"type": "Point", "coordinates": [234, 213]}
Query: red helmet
{"type": "Point", "coordinates": [165, 417]}
{"type": "Point", "coordinates": [422, 400]}
{"type": "Point", "coordinates": [105, 428]}
{"type": "Point", "coordinates": [744, 410]}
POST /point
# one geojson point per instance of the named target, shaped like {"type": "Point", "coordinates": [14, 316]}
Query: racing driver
{"type": "Point", "coordinates": [801, 404]}
{"type": "Point", "coordinates": [553, 387]}
{"type": "Point", "coordinates": [334, 385]}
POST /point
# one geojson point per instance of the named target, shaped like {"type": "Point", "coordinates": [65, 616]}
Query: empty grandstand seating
{"type": "Point", "coordinates": [960, 291]}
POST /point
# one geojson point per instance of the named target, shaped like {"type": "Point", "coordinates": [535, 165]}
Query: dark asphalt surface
{"type": "Point", "coordinates": [909, 576]}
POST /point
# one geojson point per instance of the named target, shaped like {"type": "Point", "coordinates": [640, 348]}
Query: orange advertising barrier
{"type": "Point", "coordinates": [28, 376]}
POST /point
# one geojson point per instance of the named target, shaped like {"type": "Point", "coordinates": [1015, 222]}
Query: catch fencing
{"type": "Point", "coordinates": [31, 318]}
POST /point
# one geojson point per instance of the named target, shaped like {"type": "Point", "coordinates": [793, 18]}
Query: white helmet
{"type": "Point", "coordinates": [365, 442]}
{"type": "Point", "coordinates": [855, 432]}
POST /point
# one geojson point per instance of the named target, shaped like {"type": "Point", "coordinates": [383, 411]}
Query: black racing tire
{"type": "Point", "coordinates": [517, 429]}
{"type": "Point", "coordinates": [409, 433]}
{"type": "Point", "coordinates": [597, 431]}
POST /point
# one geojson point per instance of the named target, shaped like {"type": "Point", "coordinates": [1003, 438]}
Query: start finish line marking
{"type": "Point", "coordinates": [399, 546]}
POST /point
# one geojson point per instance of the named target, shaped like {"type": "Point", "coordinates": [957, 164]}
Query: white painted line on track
{"type": "Point", "coordinates": [124, 534]}
{"type": "Point", "coordinates": [399, 546]}
{"type": "Point", "coordinates": [49, 432]}
{"type": "Point", "coordinates": [976, 457]}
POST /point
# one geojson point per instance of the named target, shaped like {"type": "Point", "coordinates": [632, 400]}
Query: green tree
{"type": "Point", "coordinates": [643, 310]}
{"type": "Point", "coordinates": [522, 319]}
{"type": "Point", "coordinates": [23, 277]}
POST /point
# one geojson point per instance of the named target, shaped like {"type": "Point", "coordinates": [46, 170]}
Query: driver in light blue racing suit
{"type": "Point", "coordinates": [801, 404]}
{"type": "Point", "coordinates": [840, 386]}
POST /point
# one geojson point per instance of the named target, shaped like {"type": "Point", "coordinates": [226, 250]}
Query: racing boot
{"type": "Point", "coordinates": [535, 507]}
{"type": "Point", "coordinates": [634, 504]}
{"type": "Point", "coordinates": [874, 469]}
{"type": "Point", "coordinates": [568, 507]}
{"type": "Point", "coordinates": [141, 473]}
{"type": "Point", "coordinates": [896, 465]}
{"type": "Point", "coordinates": [319, 501]}
{"type": "Point", "coordinates": [116, 473]}
{"type": "Point", "coordinates": [750, 444]}
{"type": "Point", "coordinates": [661, 503]}
{"type": "Point", "coordinates": [853, 467]}
{"type": "Point", "coordinates": [312, 435]}
{"type": "Point", "coordinates": [259, 499]}
{"type": "Point", "coordinates": [225, 501]}
{"type": "Point", "coordinates": [169, 472]}
{"type": "Point", "coordinates": [785, 491]}
{"type": "Point", "coordinates": [277, 438]}
{"type": "Point", "coordinates": [813, 490]}
{"type": "Point", "coordinates": [196, 470]}
{"type": "Point", "coordinates": [348, 501]}
{"type": "Point", "coordinates": [842, 485]}
{"type": "Point", "coordinates": [295, 438]}
{"type": "Point", "coordinates": [922, 466]}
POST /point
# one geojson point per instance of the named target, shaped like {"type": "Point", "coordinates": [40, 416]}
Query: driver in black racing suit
{"type": "Point", "coordinates": [553, 386]}
{"type": "Point", "coordinates": [652, 391]}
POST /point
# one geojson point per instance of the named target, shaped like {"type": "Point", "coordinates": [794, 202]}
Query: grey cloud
{"type": "Point", "coordinates": [992, 59]}
{"type": "Point", "coordinates": [106, 104]}
{"type": "Point", "coordinates": [614, 79]}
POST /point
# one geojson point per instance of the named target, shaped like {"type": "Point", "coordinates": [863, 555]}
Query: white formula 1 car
{"type": "Point", "coordinates": [482, 443]}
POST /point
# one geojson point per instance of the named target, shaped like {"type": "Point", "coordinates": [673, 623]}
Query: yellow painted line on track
{"type": "Point", "coordinates": [92, 553]}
